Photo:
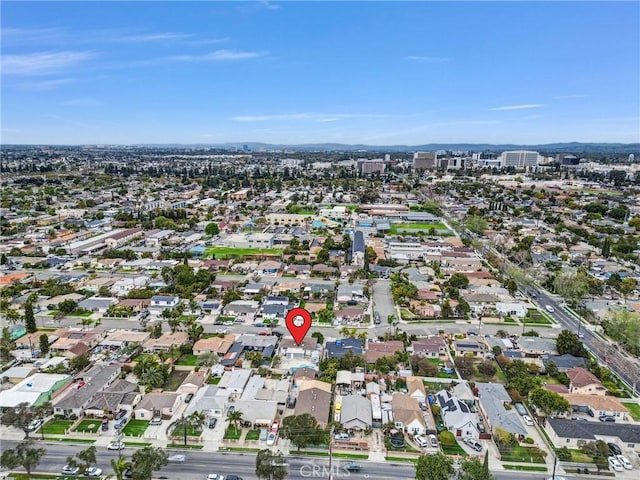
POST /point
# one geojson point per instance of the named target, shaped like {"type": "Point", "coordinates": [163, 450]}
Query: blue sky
{"type": "Point", "coordinates": [379, 73]}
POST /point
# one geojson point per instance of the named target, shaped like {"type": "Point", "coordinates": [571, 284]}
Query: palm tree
{"type": "Point", "coordinates": [208, 359]}
{"type": "Point", "coordinates": [195, 421]}
{"type": "Point", "coordinates": [235, 418]}
{"type": "Point", "coordinates": [195, 331]}
{"type": "Point", "coordinates": [174, 323]}
{"type": "Point", "coordinates": [119, 466]}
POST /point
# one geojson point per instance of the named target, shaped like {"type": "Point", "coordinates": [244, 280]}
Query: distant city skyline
{"type": "Point", "coordinates": [375, 73]}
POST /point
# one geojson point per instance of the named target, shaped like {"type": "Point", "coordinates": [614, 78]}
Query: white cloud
{"type": "Point", "coordinates": [218, 55]}
{"type": "Point", "coordinates": [43, 63]}
{"type": "Point", "coordinates": [518, 107]}
{"type": "Point", "coordinates": [271, 6]}
{"type": "Point", "coordinates": [423, 59]}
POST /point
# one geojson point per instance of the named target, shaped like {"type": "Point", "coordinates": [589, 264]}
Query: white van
{"type": "Point", "coordinates": [421, 441]}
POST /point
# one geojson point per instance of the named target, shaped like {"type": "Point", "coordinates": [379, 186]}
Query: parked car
{"type": "Point", "coordinates": [213, 422]}
{"type": "Point", "coordinates": [34, 425]}
{"type": "Point", "coordinates": [115, 446]}
{"type": "Point", "coordinates": [70, 470]}
{"type": "Point", "coordinates": [156, 421]}
{"type": "Point", "coordinates": [93, 472]}
{"type": "Point", "coordinates": [352, 467]}
{"type": "Point", "coordinates": [188, 398]}
{"type": "Point", "coordinates": [607, 418]}
{"type": "Point", "coordinates": [433, 440]}
{"type": "Point", "coordinates": [421, 441]}
{"type": "Point", "coordinates": [614, 449]}
{"type": "Point", "coordinates": [177, 458]}
{"type": "Point", "coordinates": [473, 444]}
{"type": "Point", "coordinates": [528, 420]}
{"type": "Point", "coordinates": [624, 461]}
{"type": "Point", "coordinates": [615, 464]}
{"type": "Point", "coordinates": [342, 436]}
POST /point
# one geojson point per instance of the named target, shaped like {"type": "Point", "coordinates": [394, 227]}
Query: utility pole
{"type": "Point", "coordinates": [330, 451]}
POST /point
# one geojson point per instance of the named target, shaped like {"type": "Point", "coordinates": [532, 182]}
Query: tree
{"type": "Point", "coordinates": [549, 402]}
{"type": "Point", "coordinates": [146, 461]}
{"type": "Point", "coordinates": [552, 368]}
{"type": "Point", "coordinates": [44, 344]}
{"type": "Point", "coordinates": [319, 337]}
{"type": "Point", "coordinates": [235, 418]}
{"type": "Point", "coordinates": [487, 367]}
{"type": "Point", "coordinates": [465, 366]}
{"type": "Point", "coordinates": [29, 318]}
{"type": "Point", "coordinates": [119, 466]}
{"type": "Point", "coordinates": [476, 224]}
{"type": "Point", "coordinates": [606, 247]}
{"type": "Point", "coordinates": [571, 284]}
{"type": "Point", "coordinates": [568, 342]}
{"type": "Point", "coordinates": [270, 465]}
{"type": "Point", "coordinates": [79, 362]}
{"type": "Point", "coordinates": [212, 229]}
{"type": "Point", "coordinates": [458, 280]}
{"type": "Point", "coordinates": [474, 469]}
{"type": "Point", "coordinates": [302, 430]}
{"type": "Point", "coordinates": [23, 414]}
{"type": "Point", "coordinates": [67, 306]}
{"type": "Point", "coordinates": [624, 327]}
{"type": "Point", "coordinates": [434, 467]}
{"type": "Point", "coordinates": [87, 457]}
{"type": "Point", "coordinates": [193, 422]}
{"type": "Point", "coordinates": [24, 455]}
{"type": "Point", "coordinates": [6, 345]}
{"type": "Point", "coordinates": [446, 311]}
{"type": "Point", "coordinates": [207, 359]}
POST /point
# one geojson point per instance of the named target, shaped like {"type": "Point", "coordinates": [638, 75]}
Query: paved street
{"type": "Point", "coordinates": [199, 464]}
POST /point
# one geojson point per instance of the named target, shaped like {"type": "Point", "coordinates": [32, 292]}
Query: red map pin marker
{"type": "Point", "coordinates": [298, 323]}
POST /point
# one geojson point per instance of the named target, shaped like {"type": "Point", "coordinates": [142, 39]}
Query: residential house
{"type": "Point", "coordinates": [210, 400]}
{"type": "Point", "coordinates": [163, 404]}
{"type": "Point", "coordinates": [376, 350]}
{"type": "Point", "coordinates": [314, 401]}
{"type": "Point", "coordinates": [416, 389]}
{"type": "Point", "coordinates": [537, 346]}
{"type": "Point", "coordinates": [192, 383]}
{"type": "Point", "coordinates": [582, 381]}
{"type": "Point", "coordinates": [493, 398]}
{"type": "Point", "coordinates": [574, 434]}
{"type": "Point", "coordinates": [457, 415]}
{"type": "Point", "coordinates": [86, 385]}
{"type": "Point", "coordinates": [245, 309]}
{"type": "Point", "coordinates": [120, 395]}
{"type": "Point", "coordinates": [124, 338]}
{"type": "Point", "coordinates": [430, 347]}
{"type": "Point", "coordinates": [424, 310]}
{"type": "Point", "coordinates": [265, 344]}
{"type": "Point", "coordinates": [340, 347]}
{"type": "Point", "coordinates": [469, 347]}
{"type": "Point", "coordinates": [217, 345]}
{"type": "Point", "coordinates": [353, 314]}
{"type": "Point", "coordinates": [160, 303]}
{"type": "Point", "coordinates": [165, 341]}
{"type": "Point", "coordinates": [34, 390]}
{"type": "Point", "coordinates": [564, 362]}
{"type": "Point", "coordinates": [235, 380]}
{"type": "Point", "coordinates": [407, 415]}
{"type": "Point", "coordinates": [350, 293]}
{"type": "Point", "coordinates": [268, 267]}
{"type": "Point", "coordinates": [97, 304]}
{"type": "Point", "coordinates": [511, 309]}
{"type": "Point", "coordinates": [598, 406]}
{"type": "Point", "coordinates": [308, 349]}
{"type": "Point", "coordinates": [136, 305]}
{"type": "Point", "coordinates": [356, 413]}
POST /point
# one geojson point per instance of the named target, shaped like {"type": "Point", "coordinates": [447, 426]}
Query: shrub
{"type": "Point", "coordinates": [447, 438]}
{"type": "Point", "coordinates": [563, 454]}
{"type": "Point", "coordinates": [529, 441]}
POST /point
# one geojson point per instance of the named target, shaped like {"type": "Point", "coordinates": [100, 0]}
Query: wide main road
{"type": "Point", "coordinates": [199, 464]}
{"type": "Point", "coordinates": [625, 368]}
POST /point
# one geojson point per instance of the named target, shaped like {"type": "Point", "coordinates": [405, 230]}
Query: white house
{"type": "Point", "coordinates": [510, 309]}
{"type": "Point", "coordinates": [162, 302]}
{"type": "Point", "coordinates": [407, 415]}
{"type": "Point", "coordinates": [457, 416]}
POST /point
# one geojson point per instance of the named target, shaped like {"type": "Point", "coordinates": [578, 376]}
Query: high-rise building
{"type": "Point", "coordinates": [367, 167]}
{"type": "Point", "coordinates": [425, 160]}
{"type": "Point", "coordinates": [520, 158]}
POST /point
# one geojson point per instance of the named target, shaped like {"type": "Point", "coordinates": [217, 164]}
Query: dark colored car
{"type": "Point", "coordinates": [212, 422]}
{"type": "Point", "coordinates": [188, 398]}
{"type": "Point", "coordinates": [352, 467]}
{"type": "Point", "coordinates": [614, 449]}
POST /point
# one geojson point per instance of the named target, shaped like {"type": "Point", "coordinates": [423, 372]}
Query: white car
{"type": "Point", "coordinates": [624, 461]}
{"type": "Point", "coordinates": [615, 464]}
{"type": "Point", "coordinates": [70, 470]}
{"type": "Point", "coordinates": [528, 420]}
{"type": "Point", "coordinates": [420, 441]}
{"type": "Point", "coordinates": [177, 458]}
{"type": "Point", "coordinates": [93, 472]}
{"type": "Point", "coordinates": [115, 446]}
{"type": "Point", "coordinates": [549, 308]}
{"type": "Point", "coordinates": [557, 477]}
{"type": "Point", "coordinates": [34, 425]}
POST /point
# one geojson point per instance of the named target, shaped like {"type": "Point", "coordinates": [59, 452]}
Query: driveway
{"type": "Point", "coordinates": [382, 299]}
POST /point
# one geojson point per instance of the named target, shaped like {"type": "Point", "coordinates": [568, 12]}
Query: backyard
{"type": "Point", "coordinates": [187, 360]}
{"type": "Point", "coordinates": [634, 410]}
{"type": "Point", "coordinates": [135, 428]}
{"type": "Point", "coordinates": [417, 227]}
{"type": "Point", "coordinates": [175, 380]}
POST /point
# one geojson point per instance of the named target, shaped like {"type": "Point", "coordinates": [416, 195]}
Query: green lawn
{"type": "Point", "coordinates": [178, 431]}
{"type": "Point", "coordinates": [523, 454]}
{"type": "Point", "coordinates": [89, 426]}
{"type": "Point", "coordinates": [634, 410]}
{"type": "Point", "coordinates": [224, 252]}
{"type": "Point", "coordinates": [214, 380]}
{"type": "Point", "coordinates": [232, 434]}
{"type": "Point", "coordinates": [181, 445]}
{"type": "Point", "coordinates": [416, 227]}
{"type": "Point", "coordinates": [70, 440]}
{"type": "Point", "coordinates": [579, 456]}
{"type": "Point", "coordinates": [135, 428]}
{"type": "Point", "coordinates": [253, 435]}
{"type": "Point", "coordinates": [525, 468]}
{"type": "Point", "coordinates": [406, 314]}
{"type": "Point", "coordinates": [56, 427]}
{"type": "Point", "coordinates": [454, 449]}
{"type": "Point", "coordinates": [188, 360]}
